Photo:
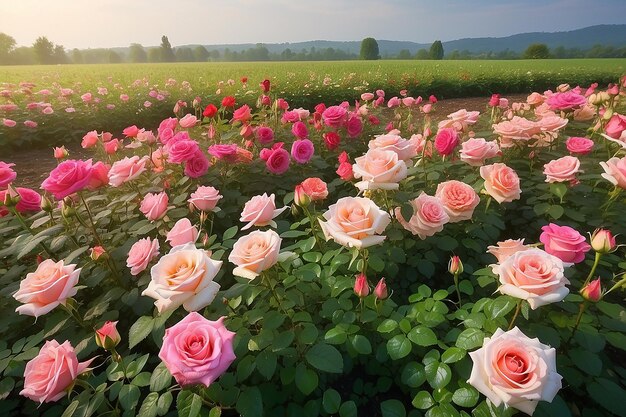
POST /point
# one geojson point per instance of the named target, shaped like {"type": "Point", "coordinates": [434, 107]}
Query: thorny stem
{"type": "Point", "coordinates": [517, 310]}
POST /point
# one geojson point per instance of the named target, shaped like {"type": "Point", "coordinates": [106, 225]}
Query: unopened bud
{"type": "Point", "coordinates": [381, 290]}
{"type": "Point", "coordinates": [97, 252]}
{"type": "Point", "coordinates": [603, 241]}
{"type": "Point", "coordinates": [592, 291]}
{"type": "Point", "coordinates": [455, 266]}
{"type": "Point", "coordinates": [107, 336]}
{"type": "Point", "coordinates": [300, 198]}
{"type": "Point", "coordinates": [46, 204]}
{"type": "Point", "coordinates": [361, 287]}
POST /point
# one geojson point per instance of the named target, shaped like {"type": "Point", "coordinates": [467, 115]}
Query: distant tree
{"type": "Point", "coordinates": [114, 57]}
{"type": "Point", "coordinates": [155, 55]}
{"type": "Point", "coordinates": [44, 50]}
{"type": "Point", "coordinates": [436, 50]}
{"type": "Point", "coordinates": [24, 55]}
{"type": "Point", "coordinates": [59, 56]}
{"type": "Point", "coordinates": [167, 53]}
{"type": "Point", "coordinates": [215, 55]}
{"type": "Point", "coordinates": [200, 54]}
{"type": "Point", "coordinates": [537, 51]}
{"type": "Point", "coordinates": [404, 54]}
{"type": "Point", "coordinates": [369, 49]}
{"type": "Point", "coordinates": [7, 46]}
{"type": "Point", "coordinates": [422, 54]}
{"type": "Point", "coordinates": [184, 55]}
{"type": "Point", "coordinates": [137, 53]}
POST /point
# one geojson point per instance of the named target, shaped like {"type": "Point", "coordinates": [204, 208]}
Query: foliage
{"type": "Point", "coordinates": [436, 50]}
{"type": "Point", "coordinates": [537, 51]}
{"type": "Point", "coordinates": [369, 49]}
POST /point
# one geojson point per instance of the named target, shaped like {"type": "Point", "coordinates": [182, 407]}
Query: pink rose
{"type": "Point", "coordinates": [126, 169]}
{"type": "Point", "coordinates": [475, 151]}
{"type": "Point", "coordinates": [446, 140]}
{"type": "Point", "coordinates": [393, 102]}
{"type": "Point", "coordinates": [315, 188]}
{"type": "Point", "coordinates": [566, 101]}
{"type": "Point", "coordinates": [354, 126]}
{"type": "Point", "coordinates": [532, 275]}
{"type": "Point", "coordinates": [197, 166]}
{"type": "Point", "coordinates": [518, 128]}
{"type": "Point", "coordinates": [429, 216]}
{"type": "Point", "coordinates": [131, 131]}
{"type": "Point", "coordinates": [46, 288]}
{"type": "Point", "coordinates": [615, 171]}
{"type": "Point", "coordinates": [140, 255]}
{"type": "Point", "coordinates": [507, 248]}
{"type": "Point", "coordinates": [501, 182]}
{"type": "Point", "coordinates": [107, 336]}
{"type": "Point", "coordinates": [226, 152]}
{"type": "Point", "coordinates": [585, 113]}
{"type": "Point", "coordinates": [616, 126]}
{"type": "Point", "coordinates": [259, 211]}
{"type": "Point", "coordinates": [9, 122]}
{"type": "Point", "coordinates": [299, 130]}
{"type": "Point", "coordinates": [264, 135]}
{"type": "Point", "coordinates": [7, 175]}
{"type": "Point", "coordinates": [552, 123]}
{"type": "Point", "coordinates": [112, 146]}
{"type": "Point", "coordinates": [335, 116]}
{"type": "Point", "coordinates": [242, 114]}
{"type": "Point", "coordinates": [49, 374]}
{"type": "Point", "coordinates": [564, 242]}
{"type": "Point", "coordinates": [459, 120]}
{"type": "Point", "coordinates": [185, 276]}
{"type": "Point", "coordinates": [196, 350]}
{"type": "Point", "coordinates": [406, 149]}
{"type": "Point", "coordinates": [188, 121]}
{"type": "Point", "coordinates": [458, 199]}
{"type": "Point", "coordinates": [278, 161]}
{"type": "Point", "coordinates": [367, 96]}
{"type": "Point", "coordinates": [379, 169]}
{"type": "Point", "coordinates": [562, 169]}
{"type": "Point", "coordinates": [99, 175]}
{"type": "Point", "coordinates": [183, 232]}
{"type": "Point", "coordinates": [513, 369]}
{"type": "Point", "coordinates": [355, 222]}
{"type": "Point", "coordinates": [579, 146]}
{"type": "Point", "coordinates": [345, 171]}
{"type": "Point", "coordinates": [182, 151]}
{"type": "Point", "coordinates": [154, 206]}
{"type": "Point", "coordinates": [205, 198]}
{"type": "Point", "coordinates": [30, 200]}
{"type": "Point", "coordinates": [302, 150]}
{"type": "Point", "coordinates": [90, 139]}
{"type": "Point", "coordinates": [254, 253]}
{"type": "Point", "coordinates": [68, 177]}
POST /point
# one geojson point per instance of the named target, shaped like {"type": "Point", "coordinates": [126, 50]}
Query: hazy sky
{"type": "Point", "coordinates": [108, 23]}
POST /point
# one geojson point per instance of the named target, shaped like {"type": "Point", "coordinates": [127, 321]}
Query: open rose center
{"type": "Point", "coordinates": [354, 219]}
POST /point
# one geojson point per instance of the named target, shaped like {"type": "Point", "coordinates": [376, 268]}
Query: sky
{"type": "Point", "coordinates": [114, 23]}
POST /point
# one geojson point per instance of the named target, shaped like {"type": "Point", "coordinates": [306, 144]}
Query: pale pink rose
{"type": "Point", "coordinates": [393, 102]}
{"type": "Point", "coordinates": [355, 222]}
{"type": "Point", "coordinates": [615, 171]}
{"type": "Point", "coordinates": [501, 182]}
{"type": "Point", "coordinates": [543, 110]}
{"type": "Point", "coordinates": [379, 169]}
{"type": "Point", "coordinates": [141, 253]}
{"type": "Point", "coordinates": [315, 188]}
{"type": "Point", "coordinates": [564, 242]}
{"type": "Point", "coordinates": [552, 123]}
{"type": "Point", "coordinates": [188, 121]}
{"type": "Point", "coordinates": [302, 150]}
{"type": "Point", "coordinates": [205, 198]}
{"type": "Point", "coordinates": [458, 199]}
{"type": "Point", "coordinates": [185, 276]}
{"type": "Point", "coordinates": [7, 174]}
{"type": "Point", "coordinates": [47, 110]}
{"type": "Point", "coordinates": [459, 120]}
{"type": "Point", "coordinates": [408, 101]}
{"type": "Point", "coordinates": [562, 169]}
{"type": "Point", "coordinates": [126, 169]}
{"type": "Point", "coordinates": [579, 146]}
{"type": "Point", "coordinates": [446, 140]}
{"type": "Point", "coordinates": [182, 233]}
{"type": "Point", "coordinates": [90, 139]}
{"type": "Point", "coordinates": [260, 210]}
{"type": "Point", "coordinates": [30, 124]}
{"type": "Point", "coordinates": [254, 253]}
{"type": "Point", "coordinates": [427, 108]}
{"type": "Point", "coordinates": [154, 206]}
{"type": "Point", "coordinates": [87, 97]}
{"type": "Point", "coordinates": [303, 114]}
{"type": "Point", "coordinates": [406, 149]}
{"type": "Point", "coordinates": [513, 369]}
{"type": "Point", "coordinates": [49, 375]}
{"type": "Point", "coordinates": [146, 136]}
{"type": "Point", "coordinates": [507, 248]}
{"type": "Point", "coordinates": [68, 177]}
{"type": "Point", "coordinates": [367, 96]}
{"type": "Point", "coordinates": [532, 275]}
{"type": "Point", "coordinates": [196, 350]}
{"type": "Point", "coordinates": [585, 113]}
{"type": "Point", "coordinates": [46, 288]}
{"type": "Point", "coordinates": [518, 128]}
{"type": "Point", "coordinates": [9, 122]}
{"type": "Point", "coordinates": [567, 100]}
{"type": "Point", "coordinates": [475, 151]}
{"type": "Point", "coordinates": [429, 216]}
{"type": "Point", "coordinates": [335, 116]}
{"type": "Point", "coordinates": [124, 97]}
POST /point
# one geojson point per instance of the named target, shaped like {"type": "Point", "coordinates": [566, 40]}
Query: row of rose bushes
{"type": "Point", "coordinates": [367, 285]}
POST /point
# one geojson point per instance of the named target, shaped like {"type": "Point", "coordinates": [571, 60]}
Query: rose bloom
{"type": "Point", "coordinates": [68, 177]}
{"type": "Point", "coordinates": [332, 140]}
{"type": "Point", "coordinates": [507, 248]}
{"type": "Point", "coordinates": [183, 232]}
{"type": "Point", "coordinates": [126, 169]}
{"type": "Point", "coordinates": [90, 140]}
{"type": "Point", "coordinates": [49, 374]}
{"type": "Point", "coordinates": [616, 126]}
{"type": "Point", "coordinates": [260, 210]}
{"type": "Point", "coordinates": [501, 182]}
{"type": "Point", "coordinates": [196, 350]}
{"type": "Point", "coordinates": [228, 101]}
{"type": "Point", "coordinates": [354, 126]}
{"type": "Point", "coordinates": [242, 114]}
{"type": "Point", "coordinates": [379, 169]}
{"type": "Point", "coordinates": [564, 242]}
{"type": "Point", "coordinates": [299, 130]}
{"type": "Point", "coordinates": [197, 166]}
{"type": "Point", "coordinates": [264, 134]}
{"type": "Point", "coordinates": [205, 198]}
{"type": "Point", "coordinates": [7, 175]}
{"type": "Point", "coordinates": [99, 175]}
{"type": "Point", "coordinates": [585, 113]}
{"type": "Point", "coordinates": [131, 131]}
{"type": "Point", "coordinates": [182, 150]}
{"type": "Point", "coordinates": [566, 101]}
{"type": "Point", "coordinates": [458, 199]}
{"type": "Point", "coordinates": [562, 169]}
{"type": "Point", "coordinates": [367, 96]}
{"type": "Point", "coordinates": [334, 116]}
{"type": "Point", "coordinates": [140, 255]}
{"type": "Point", "coordinates": [615, 171]}
{"type": "Point", "coordinates": [183, 277]}
{"type": "Point", "coordinates": [254, 253]}
{"type": "Point", "coordinates": [446, 140]}
{"type": "Point", "coordinates": [429, 216]}
{"type": "Point", "coordinates": [112, 146]}
{"type": "Point", "coordinates": [154, 206]}
{"type": "Point", "coordinates": [579, 146]}
{"type": "Point", "coordinates": [345, 171]}
{"type": "Point", "coordinates": [474, 151]}
{"type": "Point", "coordinates": [406, 149]}
{"type": "Point", "coordinates": [46, 288]}
{"type": "Point", "coordinates": [278, 161]}
{"type": "Point", "coordinates": [518, 128]}
{"type": "Point", "coordinates": [315, 188]}
{"type": "Point", "coordinates": [459, 120]}
{"type": "Point", "coordinates": [552, 123]}
{"type": "Point", "coordinates": [355, 222]}
{"type": "Point", "coordinates": [302, 150]}
{"type": "Point", "coordinates": [513, 369]}
{"type": "Point", "coordinates": [532, 275]}
{"type": "Point", "coordinates": [30, 200]}
{"type": "Point", "coordinates": [188, 121]}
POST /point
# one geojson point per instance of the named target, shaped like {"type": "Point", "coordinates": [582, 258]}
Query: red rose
{"type": "Point", "coordinates": [209, 111]}
{"type": "Point", "coordinates": [265, 85]}
{"type": "Point", "coordinates": [228, 101]}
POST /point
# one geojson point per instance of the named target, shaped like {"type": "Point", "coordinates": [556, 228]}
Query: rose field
{"type": "Point", "coordinates": [296, 240]}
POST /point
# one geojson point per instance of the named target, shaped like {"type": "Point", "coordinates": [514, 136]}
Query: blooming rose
{"type": "Point", "coordinates": [259, 211]}
{"type": "Point", "coordinates": [552, 123]}
{"type": "Point", "coordinates": [564, 242]}
{"type": "Point", "coordinates": [188, 121]}
{"type": "Point", "coordinates": [355, 222]}
{"type": "Point", "coordinates": [532, 275]}
{"type": "Point", "coordinates": [615, 171]}
{"type": "Point", "coordinates": [278, 161]}
{"type": "Point", "coordinates": [99, 175]}
{"type": "Point", "coordinates": [334, 116]}
{"type": "Point", "coordinates": [254, 253]}
{"type": "Point", "coordinates": [182, 150]}
{"type": "Point", "coordinates": [264, 134]}
{"type": "Point", "coordinates": [474, 151]}
{"type": "Point", "coordinates": [315, 188]}
{"type": "Point", "coordinates": [140, 254]}
{"type": "Point", "coordinates": [458, 199]}
{"type": "Point", "coordinates": [501, 182]}
{"type": "Point", "coordinates": [566, 101]}
{"type": "Point", "coordinates": [43, 290]}
{"type": "Point", "coordinates": [112, 146]}
{"type": "Point", "coordinates": [7, 175]}
{"type": "Point", "coordinates": [379, 169]}
{"type": "Point", "coordinates": [459, 120]}
{"type": "Point", "coordinates": [49, 374]}
{"type": "Point", "coordinates": [345, 171]}
{"type": "Point", "coordinates": [446, 140]}
{"type": "Point", "coordinates": [616, 126]}
{"type": "Point", "coordinates": [183, 277]}
{"type": "Point", "coordinates": [197, 166]}
{"type": "Point", "coordinates": [299, 130]}
{"type": "Point", "coordinates": [126, 169]}
{"type": "Point", "coordinates": [518, 128]}
{"type": "Point", "coordinates": [585, 113]}
{"type": "Point", "coordinates": [507, 248]}
{"type": "Point", "coordinates": [131, 131]}
{"type": "Point", "coordinates": [154, 206]}
{"type": "Point", "coordinates": [196, 350]}
{"type": "Point", "coordinates": [67, 178]}
{"type": "Point", "coordinates": [429, 216]}
{"type": "Point", "coordinates": [90, 139]}
{"type": "Point", "coordinates": [302, 150]}
{"type": "Point", "coordinates": [562, 169]}
{"type": "Point", "coordinates": [30, 200]}
{"type": "Point", "coordinates": [242, 114]}
{"type": "Point", "coordinates": [205, 198]}
{"type": "Point", "coordinates": [406, 149]}
{"type": "Point", "coordinates": [513, 369]}
{"type": "Point", "coordinates": [580, 146]}
{"type": "Point", "coordinates": [183, 232]}
{"type": "Point", "coordinates": [354, 126]}
{"type": "Point", "coordinates": [332, 140]}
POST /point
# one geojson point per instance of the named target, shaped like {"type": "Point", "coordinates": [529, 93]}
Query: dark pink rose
{"type": "Point", "coordinates": [197, 166]}
{"type": "Point", "coordinates": [564, 242]}
{"type": "Point", "coordinates": [7, 175]}
{"type": "Point", "coordinates": [226, 152]}
{"type": "Point", "coordinates": [354, 126]}
{"type": "Point", "coordinates": [302, 150]}
{"type": "Point", "coordinates": [68, 177]}
{"type": "Point", "coordinates": [299, 130]}
{"type": "Point", "coordinates": [566, 101]}
{"type": "Point", "coordinates": [446, 140]}
{"type": "Point", "coordinates": [334, 116]}
{"type": "Point", "coordinates": [264, 135]}
{"type": "Point", "coordinates": [278, 161]}
{"type": "Point", "coordinates": [182, 151]}
{"type": "Point", "coordinates": [30, 200]}
{"type": "Point", "coordinates": [580, 146]}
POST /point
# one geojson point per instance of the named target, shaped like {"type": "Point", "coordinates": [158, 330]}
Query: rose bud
{"type": "Point", "coordinates": [592, 291]}
{"type": "Point", "coordinates": [301, 198]}
{"type": "Point", "coordinates": [67, 208]}
{"type": "Point", "coordinates": [603, 241]}
{"type": "Point", "coordinates": [361, 287]}
{"type": "Point", "coordinates": [107, 336]}
{"type": "Point", "coordinates": [97, 252]}
{"type": "Point", "coordinates": [381, 290]}
{"type": "Point", "coordinates": [60, 153]}
{"type": "Point", "coordinates": [46, 204]}
{"type": "Point", "coordinates": [11, 197]}
{"type": "Point", "coordinates": [455, 266]}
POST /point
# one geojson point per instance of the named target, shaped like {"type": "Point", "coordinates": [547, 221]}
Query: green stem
{"type": "Point", "coordinates": [458, 292]}
{"type": "Point", "coordinates": [74, 315]}
{"type": "Point", "coordinates": [517, 310]}
{"type": "Point", "coordinates": [581, 310]}
{"type": "Point", "coordinates": [365, 254]}
{"type": "Point", "coordinates": [268, 283]}
{"type": "Point", "coordinates": [312, 222]}
{"type": "Point", "coordinates": [593, 269]}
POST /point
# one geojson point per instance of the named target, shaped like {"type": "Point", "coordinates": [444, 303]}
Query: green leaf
{"type": "Point", "coordinates": [215, 412]}
{"type": "Point", "coordinates": [325, 357]}
{"type": "Point", "coordinates": [335, 336]}
{"type": "Point", "coordinates": [230, 233]}
{"type": "Point", "coordinates": [413, 374]}
{"type": "Point", "coordinates": [606, 393]}
{"type": "Point", "coordinates": [361, 344]}
{"type": "Point", "coordinates": [465, 397]}
{"type": "Point", "coordinates": [348, 409]}
{"type": "Point", "coordinates": [387, 326]}
{"type": "Point", "coordinates": [587, 361]}
{"type": "Point", "coordinates": [140, 330]}
{"type": "Point", "coordinates": [161, 378]}
{"type": "Point", "coordinates": [266, 364]}
{"type": "Point", "coordinates": [470, 339]}
{"type": "Point", "coordinates": [149, 406]}
{"type": "Point", "coordinates": [164, 403]}
{"type": "Point", "coordinates": [71, 409]}
{"type": "Point", "coordinates": [423, 400]}
{"type": "Point", "coordinates": [422, 336]}
{"type": "Point", "coordinates": [188, 404]}
{"type": "Point", "coordinates": [438, 374]}
{"type": "Point", "coordinates": [129, 397]}
{"type": "Point", "coordinates": [392, 408]}
{"type": "Point", "coordinates": [250, 403]}
{"type": "Point", "coordinates": [398, 347]}
{"type": "Point", "coordinates": [331, 401]}
{"type": "Point", "coordinates": [306, 379]}
{"type": "Point", "coordinates": [452, 354]}
{"type": "Point", "coordinates": [556, 211]}
{"type": "Point", "coordinates": [501, 306]}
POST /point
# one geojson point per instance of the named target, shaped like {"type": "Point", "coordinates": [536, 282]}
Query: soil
{"type": "Point", "coordinates": [33, 165]}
